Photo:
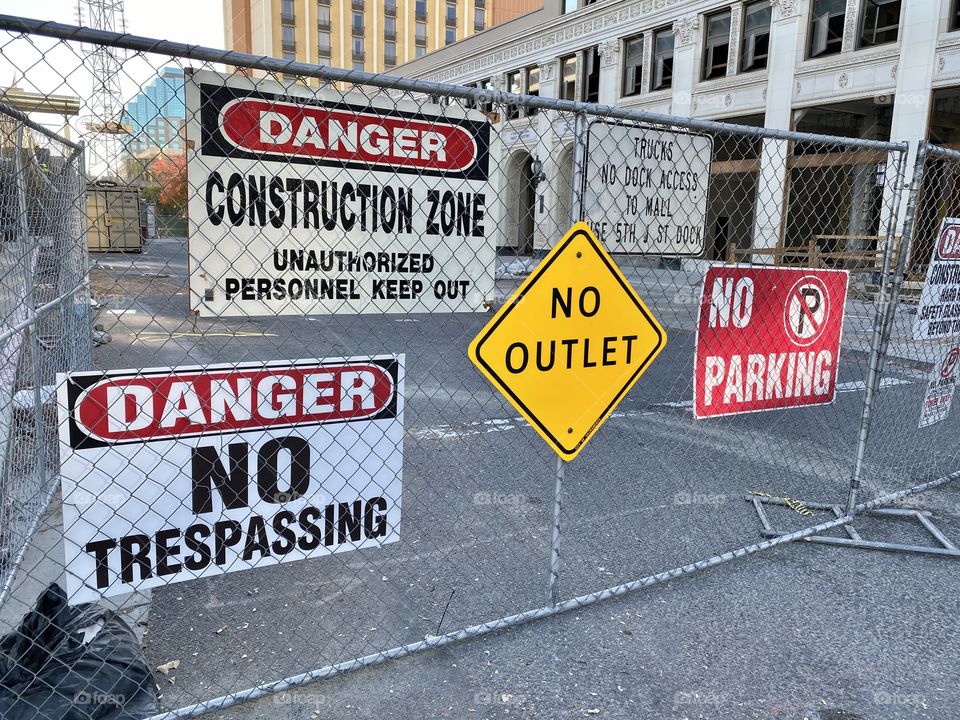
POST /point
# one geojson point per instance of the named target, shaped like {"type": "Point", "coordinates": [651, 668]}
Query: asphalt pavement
{"type": "Point", "coordinates": [799, 631]}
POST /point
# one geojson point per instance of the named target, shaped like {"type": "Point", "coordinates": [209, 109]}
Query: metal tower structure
{"type": "Point", "coordinates": [103, 128]}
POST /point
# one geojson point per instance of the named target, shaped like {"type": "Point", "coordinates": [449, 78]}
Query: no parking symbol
{"type": "Point", "coordinates": [807, 311]}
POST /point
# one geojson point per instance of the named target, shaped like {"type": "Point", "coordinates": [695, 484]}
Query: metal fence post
{"type": "Point", "coordinates": [884, 309]}
{"type": "Point", "coordinates": [29, 258]}
{"type": "Point", "coordinates": [578, 176]}
{"type": "Point", "coordinates": [555, 541]}
{"type": "Point", "coordinates": [84, 348]}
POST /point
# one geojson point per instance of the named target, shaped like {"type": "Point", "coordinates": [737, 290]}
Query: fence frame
{"type": "Point", "coordinates": [29, 325]}
{"type": "Point", "coordinates": [925, 151]}
{"type": "Point", "coordinates": [892, 273]}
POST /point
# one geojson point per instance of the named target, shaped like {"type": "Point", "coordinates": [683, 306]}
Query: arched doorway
{"type": "Point", "coordinates": [564, 188]}
{"type": "Point", "coordinates": [520, 209]}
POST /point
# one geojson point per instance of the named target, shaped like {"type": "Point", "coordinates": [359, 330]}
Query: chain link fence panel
{"type": "Point", "coordinates": [909, 446]}
{"type": "Point", "coordinates": [288, 258]}
{"type": "Point", "coordinates": [45, 312]}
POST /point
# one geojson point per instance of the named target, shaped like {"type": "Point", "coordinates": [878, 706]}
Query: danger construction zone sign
{"type": "Point", "coordinates": [569, 343]}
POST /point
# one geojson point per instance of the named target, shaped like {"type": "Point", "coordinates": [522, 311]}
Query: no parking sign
{"type": "Point", "coordinates": [940, 387]}
{"type": "Point", "coordinates": [767, 338]}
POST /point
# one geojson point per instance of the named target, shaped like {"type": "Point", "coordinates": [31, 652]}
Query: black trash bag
{"type": "Point", "coordinates": [73, 663]}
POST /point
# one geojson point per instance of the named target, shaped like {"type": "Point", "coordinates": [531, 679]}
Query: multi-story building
{"type": "Point", "coordinates": [877, 69]}
{"type": "Point", "coordinates": [156, 116]}
{"type": "Point", "coordinates": [369, 35]}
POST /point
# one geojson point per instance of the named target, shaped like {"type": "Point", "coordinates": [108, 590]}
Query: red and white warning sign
{"type": "Point", "coordinates": [938, 314]}
{"type": "Point", "coordinates": [314, 201]}
{"type": "Point", "coordinates": [767, 338]}
{"type": "Point", "coordinates": [940, 387]}
{"type": "Point", "coordinates": [170, 474]}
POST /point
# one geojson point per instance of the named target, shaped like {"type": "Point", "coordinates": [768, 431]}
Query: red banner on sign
{"type": "Point", "coordinates": [767, 338]}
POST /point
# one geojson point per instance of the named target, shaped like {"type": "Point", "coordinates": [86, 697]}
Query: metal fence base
{"type": "Point", "coordinates": [855, 540]}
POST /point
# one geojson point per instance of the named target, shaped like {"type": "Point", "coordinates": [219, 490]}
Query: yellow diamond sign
{"type": "Point", "coordinates": [569, 343]}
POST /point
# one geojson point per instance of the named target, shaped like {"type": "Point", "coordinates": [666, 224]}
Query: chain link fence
{"type": "Point", "coordinates": [394, 262]}
{"type": "Point", "coordinates": [45, 317]}
{"type": "Point", "coordinates": [905, 456]}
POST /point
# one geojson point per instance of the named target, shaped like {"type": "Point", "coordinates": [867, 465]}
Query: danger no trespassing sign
{"type": "Point", "coordinates": [171, 474]}
{"type": "Point", "coordinates": [312, 201]}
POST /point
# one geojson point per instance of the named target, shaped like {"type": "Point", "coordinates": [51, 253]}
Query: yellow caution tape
{"type": "Point", "coordinates": [796, 505]}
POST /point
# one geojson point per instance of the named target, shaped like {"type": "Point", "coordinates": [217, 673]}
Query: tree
{"type": "Point", "coordinates": [170, 173]}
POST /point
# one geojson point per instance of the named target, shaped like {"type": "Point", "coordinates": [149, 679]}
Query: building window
{"type": "Point", "coordinates": [716, 45]}
{"type": "Point", "coordinates": [533, 86]}
{"type": "Point", "coordinates": [632, 66]}
{"type": "Point", "coordinates": [323, 43]}
{"type": "Point", "coordinates": [290, 57]}
{"type": "Point", "coordinates": [452, 13]}
{"type": "Point", "coordinates": [389, 28]}
{"type": "Point", "coordinates": [591, 77]}
{"type": "Point", "coordinates": [756, 36]}
{"type": "Point", "coordinates": [569, 6]}
{"type": "Point", "coordinates": [826, 27]}
{"type": "Point", "coordinates": [421, 33]}
{"type": "Point", "coordinates": [420, 51]}
{"type": "Point", "coordinates": [879, 22]}
{"type": "Point", "coordinates": [358, 66]}
{"type": "Point", "coordinates": [663, 59]}
{"type": "Point", "coordinates": [390, 53]}
{"type": "Point", "coordinates": [358, 23]}
{"type": "Point", "coordinates": [533, 81]}
{"type": "Point", "coordinates": [479, 18]}
{"type": "Point", "coordinates": [514, 85]}
{"type": "Point", "coordinates": [485, 104]}
{"type": "Point", "coordinates": [286, 11]}
{"type": "Point", "coordinates": [568, 78]}
{"type": "Point", "coordinates": [358, 48]}
{"type": "Point", "coordinates": [420, 7]}
{"type": "Point", "coordinates": [450, 36]}
{"type": "Point", "coordinates": [955, 16]}
{"type": "Point", "coordinates": [390, 7]}
{"type": "Point", "coordinates": [288, 37]}
{"type": "Point", "coordinates": [323, 17]}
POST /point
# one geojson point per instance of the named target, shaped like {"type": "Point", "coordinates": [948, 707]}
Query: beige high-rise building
{"type": "Point", "coordinates": [370, 35]}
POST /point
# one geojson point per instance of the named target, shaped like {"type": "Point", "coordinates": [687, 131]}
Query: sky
{"type": "Point", "coordinates": [52, 67]}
